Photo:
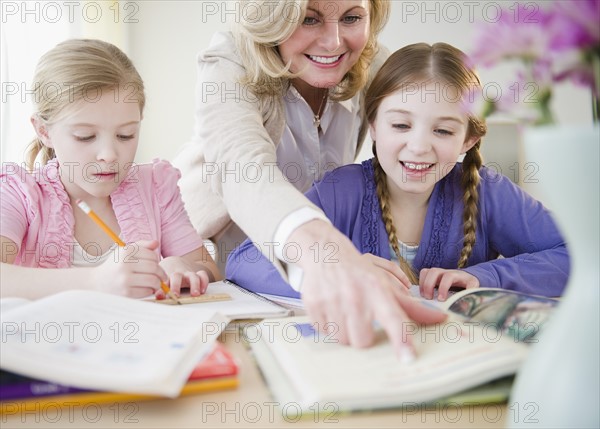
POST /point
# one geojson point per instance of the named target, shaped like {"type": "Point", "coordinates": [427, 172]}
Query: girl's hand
{"type": "Point", "coordinates": [430, 278]}
{"type": "Point", "coordinates": [132, 271]}
{"type": "Point", "coordinates": [182, 274]}
{"type": "Point", "coordinates": [388, 267]}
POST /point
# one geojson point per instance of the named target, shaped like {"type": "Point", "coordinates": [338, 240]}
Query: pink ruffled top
{"type": "Point", "coordinates": [37, 215]}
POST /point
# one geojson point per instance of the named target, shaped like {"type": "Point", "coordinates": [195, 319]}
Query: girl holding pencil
{"type": "Point", "coordinates": [89, 102]}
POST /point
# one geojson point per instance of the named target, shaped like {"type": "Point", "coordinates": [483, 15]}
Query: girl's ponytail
{"type": "Point", "coordinates": [37, 148]}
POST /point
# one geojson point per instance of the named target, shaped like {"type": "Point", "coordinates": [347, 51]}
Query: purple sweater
{"type": "Point", "coordinates": [510, 223]}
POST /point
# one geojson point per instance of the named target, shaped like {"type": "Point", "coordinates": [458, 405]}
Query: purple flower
{"type": "Point", "coordinates": [559, 42]}
{"type": "Point", "coordinates": [575, 24]}
{"type": "Point", "coordinates": [575, 36]}
{"type": "Point", "coordinates": [517, 34]}
{"type": "Point", "coordinates": [528, 96]}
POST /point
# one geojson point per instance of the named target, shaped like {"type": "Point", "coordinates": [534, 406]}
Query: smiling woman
{"type": "Point", "coordinates": [281, 96]}
{"type": "Point", "coordinates": [261, 91]}
{"type": "Point", "coordinates": [325, 48]}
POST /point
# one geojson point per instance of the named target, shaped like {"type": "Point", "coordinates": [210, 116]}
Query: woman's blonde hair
{"type": "Point", "coordinates": [265, 24]}
{"type": "Point", "coordinates": [420, 63]}
{"type": "Point", "coordinates": [76, 70]}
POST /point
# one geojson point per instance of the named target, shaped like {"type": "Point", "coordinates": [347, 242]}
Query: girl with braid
{"type": "Point", "coordinates": [446, 223]}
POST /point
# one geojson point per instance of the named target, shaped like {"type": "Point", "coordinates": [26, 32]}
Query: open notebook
{"type": "Point", "coordinates": [242, 304]}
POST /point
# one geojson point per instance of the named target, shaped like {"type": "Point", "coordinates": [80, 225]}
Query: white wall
{"type": "Point", "coordinates": [165, 42]}
{"type": "Point", "coordinates": [164, 45]}
{"type": "Point", "coordinates": [164, 37]}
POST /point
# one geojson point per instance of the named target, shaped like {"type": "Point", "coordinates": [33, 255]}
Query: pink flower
{"type": "Point", "coordinates": [527, 97]}
{"type": "Point", "coordinates": [552, 44]}
{"type": "Point", "coordinates": [517, 34]}
{"type": "Point", "coordinates": [575, 24]}
{"type": "Point", "coordinates": [575, 35]}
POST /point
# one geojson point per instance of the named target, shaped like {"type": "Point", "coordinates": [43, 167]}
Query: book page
{"type": "Point", "coordinates": [106, 342]}
{"type": "Point", "coordinates": [519, 315]}
{"type": "Point", "coordinates": [7, 304]}
{"type": "Point", "coordinates": [451, 357]}
{"type": "Point", "coordinates": [242, 305]}
{"type": "Point", "coordinates": [295, 304]}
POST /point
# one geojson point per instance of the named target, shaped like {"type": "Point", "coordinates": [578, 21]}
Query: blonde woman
{"type": "Point", "coordinates": [279, 104]}
{"type": "Point", "coordinates": [89, 103]}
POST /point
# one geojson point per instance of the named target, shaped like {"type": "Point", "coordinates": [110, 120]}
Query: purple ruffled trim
{"type": "Point", "coordinates": [60, 232]}
{"type": "Point", "coordinates": [442, 216]}
{"type": "Point", "coordinates": [371, 212]}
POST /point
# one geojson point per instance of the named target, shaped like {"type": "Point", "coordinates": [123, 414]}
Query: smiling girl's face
{"type": "Point", "coordinates": [419, 133]}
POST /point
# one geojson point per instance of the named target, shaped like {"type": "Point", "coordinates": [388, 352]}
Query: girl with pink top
{"type": "Point", "coordinates": [89, 102]}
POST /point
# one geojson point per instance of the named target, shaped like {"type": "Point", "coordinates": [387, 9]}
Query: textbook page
{"type": "Point", "coordinates": [312, 370]}
{"type": "Point", "coordinates": [7, 304]}
{"type": "Point", "coordinates": [105, 342]}
{"type": "Point", "coordinates": [518, 315]}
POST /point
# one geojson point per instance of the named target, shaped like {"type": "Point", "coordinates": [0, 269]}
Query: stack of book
{"type": "Point", "coordinates": [217, 371]}
{"type": "Point", "coordinates": [79, 347]}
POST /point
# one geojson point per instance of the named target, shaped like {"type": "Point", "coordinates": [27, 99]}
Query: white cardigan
{"type": "Point", "coordinates": [236, 131]}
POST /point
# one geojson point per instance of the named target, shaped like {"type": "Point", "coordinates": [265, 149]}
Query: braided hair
{"type": "Point", "coordinates": [422, 62]}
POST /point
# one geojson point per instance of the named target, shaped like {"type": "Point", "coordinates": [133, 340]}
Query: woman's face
{"type": "Point", "coordinates": [329, 41]}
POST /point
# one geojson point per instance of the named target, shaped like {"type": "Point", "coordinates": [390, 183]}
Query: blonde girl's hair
{"type": "Point", "coordinates": [417, 64]}
{"type": "Point", "coordinates": [265, 24]}
{"type": "Point", "coordinates": [76, 70]}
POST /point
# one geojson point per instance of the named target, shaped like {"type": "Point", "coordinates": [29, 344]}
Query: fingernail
{"type": "Point", "coordinates": [432, 305]}
{"type": "Point", "coordinates": [406, 355]}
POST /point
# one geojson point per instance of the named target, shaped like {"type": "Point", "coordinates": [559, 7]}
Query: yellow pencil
{"type": "Point", "coordinates": [83, 206]}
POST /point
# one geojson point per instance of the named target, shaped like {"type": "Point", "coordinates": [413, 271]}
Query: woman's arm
{"type": "Point", "coordinates": [230, 168]}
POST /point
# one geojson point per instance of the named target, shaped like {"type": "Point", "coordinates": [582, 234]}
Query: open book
{"type": "Point", "coordinates": [481, 341]}
{"type": "Point", "coordinates": [217, 371]}
{"type": "Point", "coordinates": [98, 341]}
